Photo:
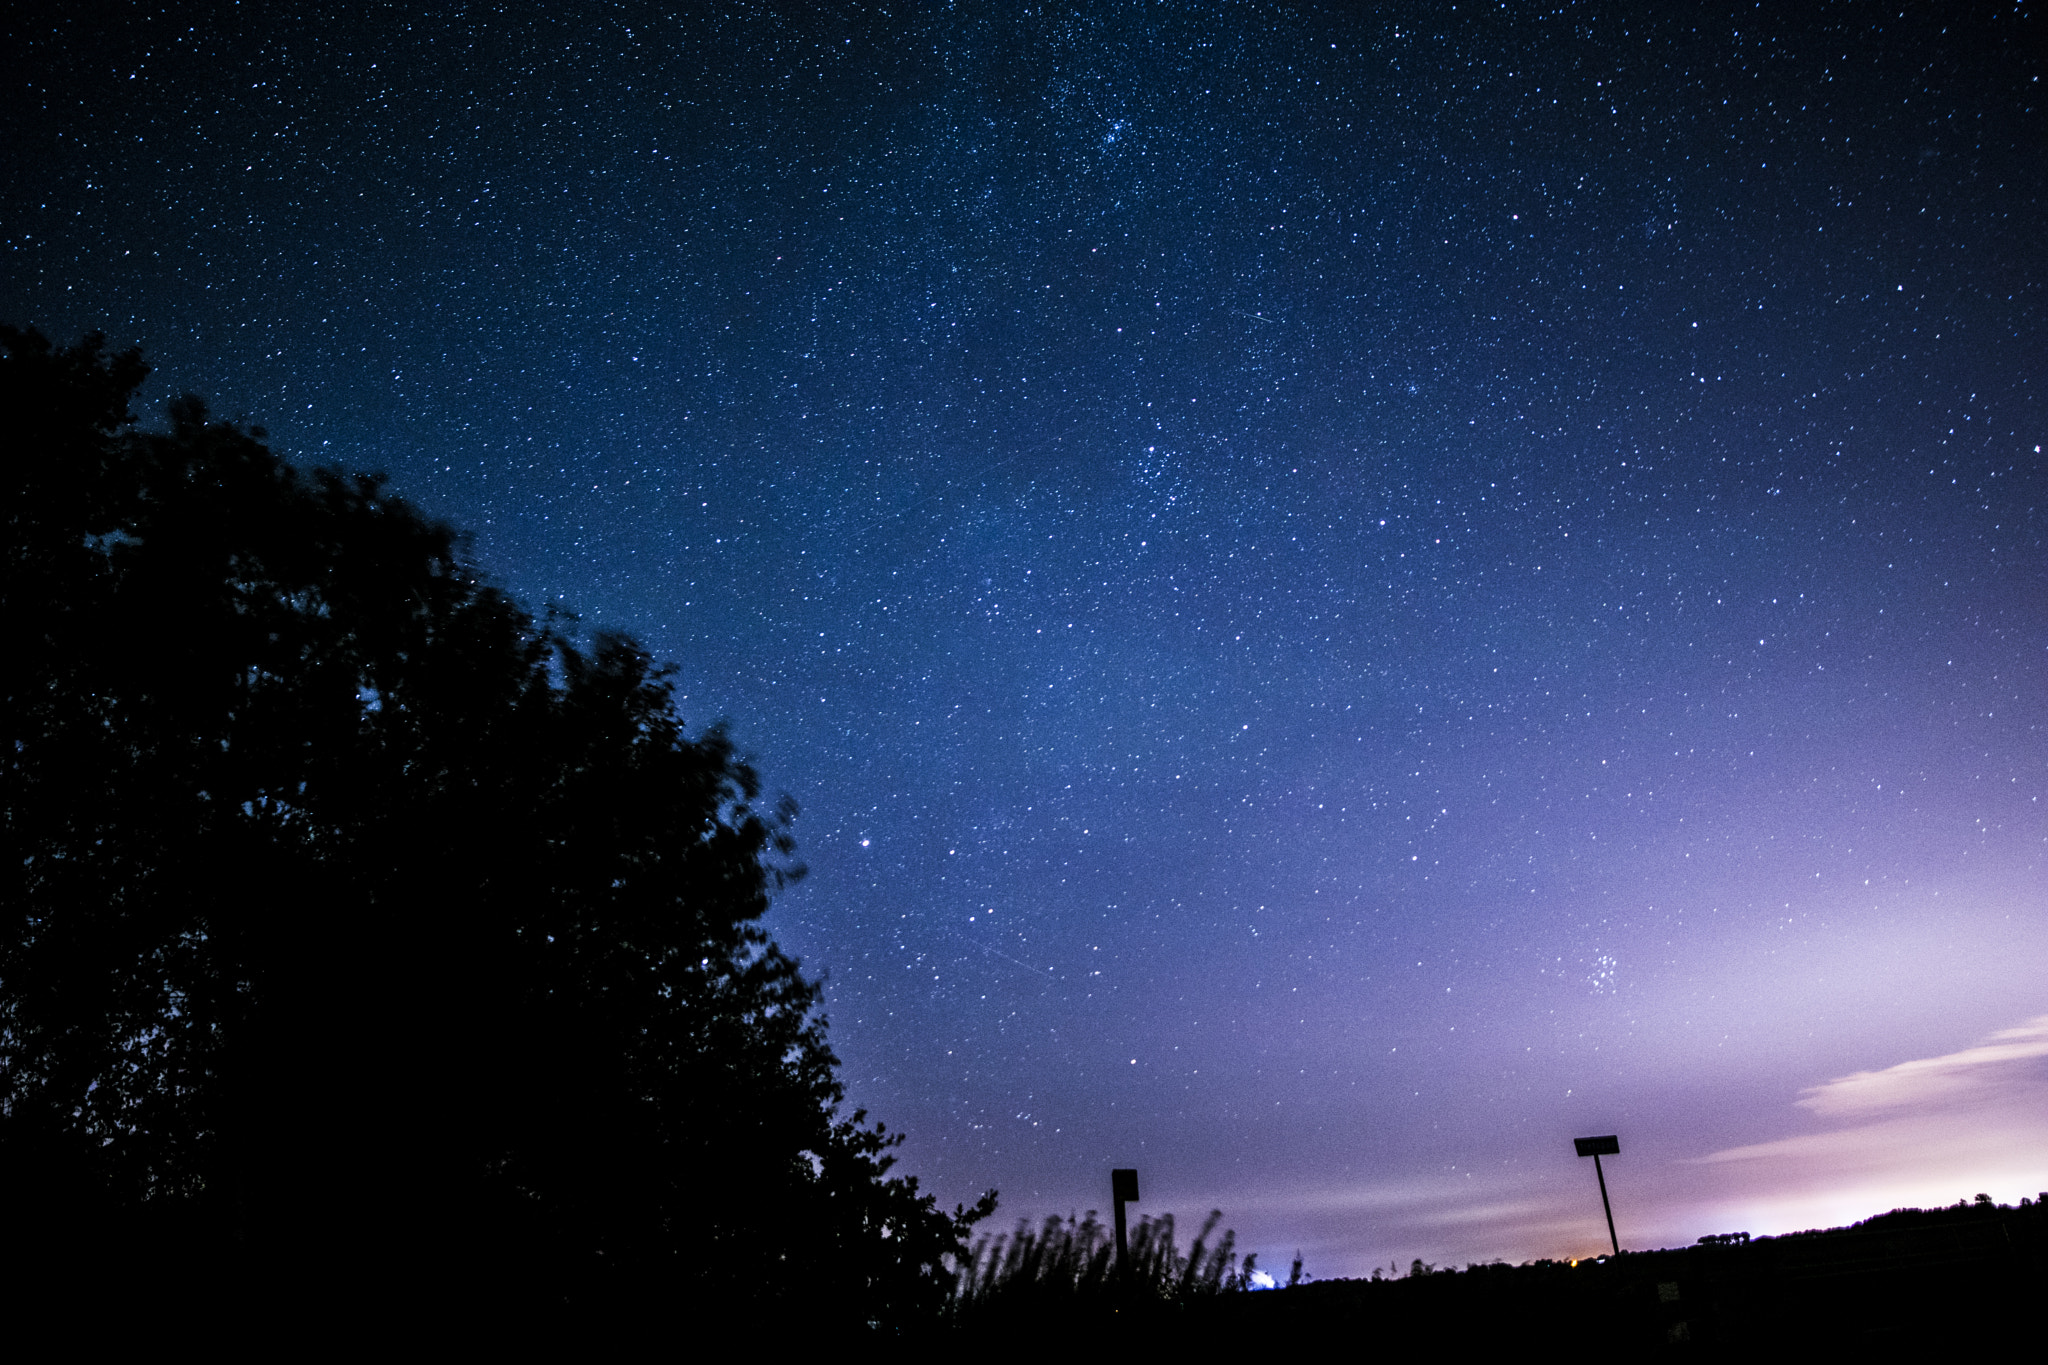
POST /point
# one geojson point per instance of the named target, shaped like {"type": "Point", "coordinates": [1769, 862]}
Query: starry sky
{"type": "Point", "coordinates": [1347, 596]}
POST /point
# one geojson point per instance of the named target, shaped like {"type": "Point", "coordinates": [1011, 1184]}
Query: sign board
{"type": "Point", "coordinates": [1598, 1146]}
{"type": "Point", "coordinates": [1123, 1185]}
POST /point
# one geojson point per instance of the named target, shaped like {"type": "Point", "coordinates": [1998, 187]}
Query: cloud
{"type": "Point", "coordinates": [1926, 1131]}
{"type": "Point", "coordinates": [1923, 1132]}
{"type": "Point", "coordinates": [1918, 1142]}
{"type": "Point", "coordinates": [1351, 1229]}
{"type": "Point", "coordinates": [1989, 1072]}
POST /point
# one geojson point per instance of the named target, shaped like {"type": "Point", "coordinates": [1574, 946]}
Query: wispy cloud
{"type": "Point", "coordinates": [1989, 1072]}
{"type": "Point", "coordinates": [1924, 1131]}
{"type": "Point", "coordinates": [1349, 1229]}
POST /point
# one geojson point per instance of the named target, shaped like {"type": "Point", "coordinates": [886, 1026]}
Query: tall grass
{"type": "Point", "coordinates": [1069, 1264]}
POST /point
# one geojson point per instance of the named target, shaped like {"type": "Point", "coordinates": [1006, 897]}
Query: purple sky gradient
{"type": "Point", "coordinates": [1346, 599]}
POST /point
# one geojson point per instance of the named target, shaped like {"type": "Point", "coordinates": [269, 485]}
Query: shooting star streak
{"type": "Point", "coordinates": [1046, 972]}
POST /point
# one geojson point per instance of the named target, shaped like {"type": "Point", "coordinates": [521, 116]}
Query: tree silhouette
{"type": "Point", "coordinates": [368, 935]}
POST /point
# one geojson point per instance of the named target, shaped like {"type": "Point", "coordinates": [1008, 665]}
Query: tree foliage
{"type": "Point", "coordinates": [357, 922]}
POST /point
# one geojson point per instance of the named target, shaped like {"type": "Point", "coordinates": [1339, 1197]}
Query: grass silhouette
{"type": "Point", "coordinates": [1068, 1265]}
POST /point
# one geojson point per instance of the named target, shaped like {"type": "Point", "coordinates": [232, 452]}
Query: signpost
{"type": "Point", "coordinates": [1123, 1186]}
{"type": "Point", "coordinates": [1595, 1147]}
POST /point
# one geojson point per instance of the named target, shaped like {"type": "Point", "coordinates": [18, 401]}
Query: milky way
{"type": "Point", "coordinates": [1346, 598]}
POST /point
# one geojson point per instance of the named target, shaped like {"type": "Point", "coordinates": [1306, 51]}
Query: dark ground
{"type": "Point", "coordinates": [1914, 1280]}
{"type": "Point", "coordinates": [1922, 1281]}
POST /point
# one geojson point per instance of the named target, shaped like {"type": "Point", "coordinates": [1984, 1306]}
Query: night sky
{"type": "Point", "coordinates": [1347, 599]}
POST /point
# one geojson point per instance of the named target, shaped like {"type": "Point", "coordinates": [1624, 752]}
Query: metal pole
{"type": "Point", "coordinates": [1608, 1208]}
{"type": "Point", "coordinates": [1123, 1250]}
{"type": "Point", "coordinates": [1123, 1186]}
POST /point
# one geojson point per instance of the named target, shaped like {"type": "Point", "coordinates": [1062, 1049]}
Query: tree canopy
{"type": "Point", "coordinates": [359, 924]}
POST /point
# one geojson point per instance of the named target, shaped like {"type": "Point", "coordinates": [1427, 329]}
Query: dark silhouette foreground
{"type": "Point", "coordinates": [370, 950]}
{"type": "Point", "coordinates": [1929, 1281]}
{"type": "Point", "coordinates": [1066, 1271]}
